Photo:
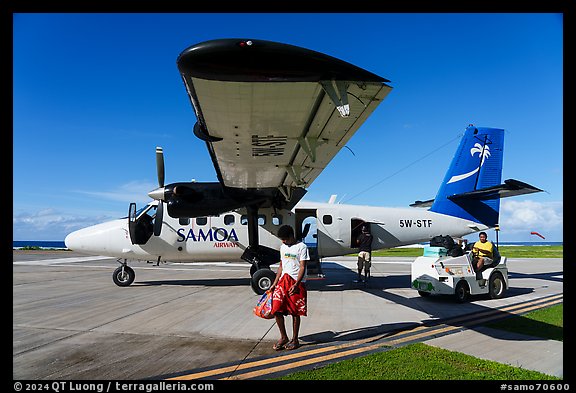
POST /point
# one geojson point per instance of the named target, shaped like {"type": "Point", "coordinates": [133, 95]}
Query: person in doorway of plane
{"type": "Point", "coordinates": [364, 253]}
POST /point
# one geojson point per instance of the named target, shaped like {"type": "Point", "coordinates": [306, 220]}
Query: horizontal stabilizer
{"type": "Point", "coordinates": [510, 188]}
{"type": "Point", "coordinates": [427, 203]}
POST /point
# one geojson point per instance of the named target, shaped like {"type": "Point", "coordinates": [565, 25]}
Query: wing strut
{"type": "Point", "coordinates": [259, 256]}
{"type": "Point", "coordinates": [309, 146]}
{"type": "Point", "coordinates": [253, 239]}
{"type": "Point", "coordinates": [341, 102]}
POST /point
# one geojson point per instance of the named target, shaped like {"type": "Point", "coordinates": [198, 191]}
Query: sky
{"type": "Point", "coordinates": [94, 94]}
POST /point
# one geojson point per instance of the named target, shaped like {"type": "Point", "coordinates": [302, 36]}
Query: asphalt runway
{"type": "Point", "coordinates": [71, 322]}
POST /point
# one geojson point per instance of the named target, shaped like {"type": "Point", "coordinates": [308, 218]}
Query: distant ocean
{"type": "Point", "coordinates": [60, 244]}
{"type": "Point", "coordinates": [38, 243]}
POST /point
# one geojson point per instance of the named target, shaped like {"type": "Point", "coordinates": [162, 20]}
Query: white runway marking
{"type": "Point", "coordinates": [43, 262]}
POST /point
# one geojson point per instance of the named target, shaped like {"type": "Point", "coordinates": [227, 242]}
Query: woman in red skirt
{"type": "Point", "coordinates": [289, 288]}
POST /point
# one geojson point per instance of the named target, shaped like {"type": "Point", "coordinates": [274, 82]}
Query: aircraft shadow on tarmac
{"type": "Point", "coordinates": [341, 278]}
{"type": "Point", "coordinates": [376, 285]}
{"type": "Point", "coordinates": [208, 282]}
{"type": "Point", "coordinates": [551, 276]}
{"type": "Point", "coordinates": [330, 336]}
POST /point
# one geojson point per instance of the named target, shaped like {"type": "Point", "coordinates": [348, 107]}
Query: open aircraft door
{"type": "Point", "coordinates": [356, 225]}
{"type": "Point", "coordinates": [140, 224]}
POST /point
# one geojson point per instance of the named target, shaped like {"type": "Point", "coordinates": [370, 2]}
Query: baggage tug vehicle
{"type": "Point", "coordinates": [437, 273]}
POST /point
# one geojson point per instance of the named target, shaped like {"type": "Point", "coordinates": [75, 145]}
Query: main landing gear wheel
{"type": "Point", "coordinates": [123, 276]}
{"type": "Point", "coordinates": [262, 280]}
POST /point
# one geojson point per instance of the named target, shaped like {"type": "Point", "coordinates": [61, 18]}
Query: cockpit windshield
{"type": "Point", "coordinates": [148, 209]}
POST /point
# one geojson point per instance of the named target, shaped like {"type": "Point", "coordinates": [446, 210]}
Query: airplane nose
{"type": "Point", "coordinates": [71, 241]}
{"type": "Point", "coordinates": [101, 239]}
{"type": "Point", "coordinates": [78, 240]}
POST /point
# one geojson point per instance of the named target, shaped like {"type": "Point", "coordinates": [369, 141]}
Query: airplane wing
{"type": "Point", "coordinates": [274, 115]}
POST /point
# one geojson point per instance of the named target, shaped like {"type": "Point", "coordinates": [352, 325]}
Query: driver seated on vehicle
{"type": "Point", "coordinates": [483, 251]}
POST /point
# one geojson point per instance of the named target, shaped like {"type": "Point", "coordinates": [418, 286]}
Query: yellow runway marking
{"type": "Point", "coordinates": [256, 363]}
{"type": "Point", "coordinates": [305, 362]}
{"type": "Point", "coordinates": [313, 356]}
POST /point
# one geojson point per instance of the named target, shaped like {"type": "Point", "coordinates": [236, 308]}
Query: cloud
{"type": "Point", "coordinates": [528, 215]}
{"type": "Point", "coordinates": [55, 223]}
{"type": "Point", "coordinates": [134, 191]}
{"type": "Point", "coordinates": [50, 224]}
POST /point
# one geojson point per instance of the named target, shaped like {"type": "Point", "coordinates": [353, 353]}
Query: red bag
{"type": "Point", "coordinates": [263, 308]}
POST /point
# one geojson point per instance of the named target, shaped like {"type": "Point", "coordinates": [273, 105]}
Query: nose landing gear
{"type": "Point", "coordinates": [124, 275]}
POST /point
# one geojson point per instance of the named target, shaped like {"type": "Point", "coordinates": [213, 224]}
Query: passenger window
{"type": "Point", "coordinates": [327, 219]}
{"type": "Point", "coordinates": [184, 221]}
{"type": "Point", "coordinates": [277, 219]}
{"type": "Point", "coordinates": [261, 219]}
{"type": "Point", "coordinates": [229, 219]}
{"type": "Point", "coordinates": [201, 220]}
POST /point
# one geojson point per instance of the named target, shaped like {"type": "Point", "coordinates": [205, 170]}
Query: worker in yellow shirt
{"type": "Point", "coordinates": [483, 251]}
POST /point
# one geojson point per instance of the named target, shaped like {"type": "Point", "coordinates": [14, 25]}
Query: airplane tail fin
{"type": "Point", "coordinates": [471, 188]}
{"type": "Point", "coordinates": [475, 170]}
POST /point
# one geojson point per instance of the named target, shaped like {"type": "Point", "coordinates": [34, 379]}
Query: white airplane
{"type": "Point", "coordinates": [272, 117]}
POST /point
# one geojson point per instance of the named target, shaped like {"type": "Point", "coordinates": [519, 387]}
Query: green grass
{"type": "Point", "coordinates": [423, 362]}
{"type": "Point", "coordinates": [545, 323]}
{"type": "Point", "coordinates": [508, 251]}
{"type": "Point", "coordinates": [38, 248]}
{"type": "Point", "coordinates": [532, 251]}
{"type": "Point", "coordinates": [398, 252]}
{"type": "Point", "coordinates": [31, 248]}
{"type": "Point", "coordinates": [417, 362]}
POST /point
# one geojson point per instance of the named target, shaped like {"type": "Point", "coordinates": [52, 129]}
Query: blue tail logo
{"type": "Point", "coordinates": [476, 166]}
{"type": "Point", "coordinates": [483, 152]}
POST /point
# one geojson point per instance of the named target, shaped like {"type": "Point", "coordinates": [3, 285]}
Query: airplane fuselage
{"type": "Point", "coordinates": [225, 237]}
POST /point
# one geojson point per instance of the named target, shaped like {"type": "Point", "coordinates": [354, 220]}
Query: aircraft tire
{"type": "Point", "coordinates": [262, 280]}
{"type": "Point", "coordinates": [123, 279]}
{"type": "Point", "coordinates": [462, 292]}
{"type": "Point", "coordinates": [496, 286]}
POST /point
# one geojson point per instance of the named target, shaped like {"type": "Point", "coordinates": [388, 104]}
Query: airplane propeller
{"type": "Point", "coordinates": [160, 165]}
{"type": "Point", "coordinates": [160, 208]}
{"type": "Point", "coordinates": [184, 199]}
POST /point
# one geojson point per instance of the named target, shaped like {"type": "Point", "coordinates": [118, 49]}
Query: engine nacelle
{"type": "Point", "coordinates": [193, 199]}
{"type": "Point", "coordinates": [199, 199]}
